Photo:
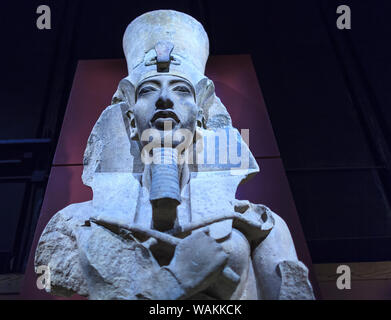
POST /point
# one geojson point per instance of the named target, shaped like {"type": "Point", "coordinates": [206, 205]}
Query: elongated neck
{"type": "Point", "coordinates": [165, 188]}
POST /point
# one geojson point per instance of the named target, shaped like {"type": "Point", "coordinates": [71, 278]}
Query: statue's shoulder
{"type": "Point", "coordinates": [276, 264]}
{"type": "Point", "coordinates": [60, 231]}
{"type": "Point", "coordinates": [58, 249]}
{"type": "Point", "coordinates": [70, 217]}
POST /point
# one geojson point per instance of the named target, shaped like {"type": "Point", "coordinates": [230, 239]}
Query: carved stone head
{"type": "Point", "coordinates": [166, 90]}
{"type": "Point", "coordinates": [166, 53]}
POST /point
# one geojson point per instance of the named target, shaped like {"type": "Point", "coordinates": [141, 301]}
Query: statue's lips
{"type": "Point", "coordinates": [164, 116]}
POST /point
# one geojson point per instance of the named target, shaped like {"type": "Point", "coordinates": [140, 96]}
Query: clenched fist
{"type": "Point", "coordinates": [197, 262]}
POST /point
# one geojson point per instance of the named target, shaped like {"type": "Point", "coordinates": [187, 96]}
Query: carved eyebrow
{"type": "Point", "coordinates": [183, 82]}
{"type": "Point", "coordinates": [151, 81]}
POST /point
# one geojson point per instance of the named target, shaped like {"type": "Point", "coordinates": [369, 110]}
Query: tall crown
{"type": "Point", "coordinates": [165, 42]}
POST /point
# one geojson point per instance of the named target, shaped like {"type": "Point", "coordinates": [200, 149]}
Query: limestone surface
{"type": "Point", "coordinates": [169, 230]}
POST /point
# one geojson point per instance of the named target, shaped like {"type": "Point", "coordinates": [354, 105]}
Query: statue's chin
{"type": "Point", "coordinates": [157, 135]}
{"type": "Point", "coordinates": [173, 138]}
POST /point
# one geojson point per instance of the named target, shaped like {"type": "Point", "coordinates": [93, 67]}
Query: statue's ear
{"type": "Point", "coordinates": [205, 91]}
{"type": "Point", "coordinates": [126, 94]}
{"type": "Point", "coordinates": [201, 123]}
{"type": "Point", "coordinates": [215, 113]}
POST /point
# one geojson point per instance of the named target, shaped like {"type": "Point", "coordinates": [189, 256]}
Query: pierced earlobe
{"type": "Point", "coordinates": [133, 129]}
{"type": "Point", "coordinates": [201, 119]}
{"type": "Point", "coordinates": [201, 124]}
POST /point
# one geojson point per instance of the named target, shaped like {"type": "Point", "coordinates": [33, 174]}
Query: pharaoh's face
{"type": "Point", "coordinates": [165, 104]}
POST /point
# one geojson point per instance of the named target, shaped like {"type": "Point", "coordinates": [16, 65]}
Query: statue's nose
{"type": "Point", "coordinates": [164, 101]}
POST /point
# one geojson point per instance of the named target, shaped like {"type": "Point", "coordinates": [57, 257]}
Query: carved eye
{"type": "Point", "coordinates": [182, 89]}
{"type": "Point", "coordinates": [146, 90]}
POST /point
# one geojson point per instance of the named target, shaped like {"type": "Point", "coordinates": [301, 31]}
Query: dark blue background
{"type": "Point", "coordinates": [327, 91]}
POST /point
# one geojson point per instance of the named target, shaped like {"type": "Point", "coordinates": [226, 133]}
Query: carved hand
{"type": "Point", "coordinates": [197, 262]}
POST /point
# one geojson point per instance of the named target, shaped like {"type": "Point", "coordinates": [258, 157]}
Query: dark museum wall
{"type": "Point", "coordinates": [327, 91]}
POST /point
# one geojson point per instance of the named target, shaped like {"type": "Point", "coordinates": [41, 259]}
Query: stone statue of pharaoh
{"type": "Point", "coordinates": [164, 222]}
